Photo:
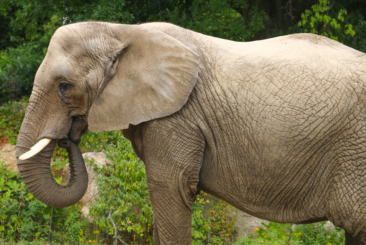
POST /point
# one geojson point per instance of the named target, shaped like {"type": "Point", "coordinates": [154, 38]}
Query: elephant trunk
{"type": "Point", "coordinates": [37, 176]}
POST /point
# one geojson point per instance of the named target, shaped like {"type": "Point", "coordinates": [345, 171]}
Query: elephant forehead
{"type": "Point", "coordinates": [55, 68]}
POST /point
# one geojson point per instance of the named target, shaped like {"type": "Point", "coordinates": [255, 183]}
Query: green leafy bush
{"type": "Point", "coordinates": [311, 234]}
{"type": "Point", "coordinates": [18, 67]}
{"type": "Point", "coordinates": [123, 190]}
{"type": "Point", "coordinates": [358, 41]}
{"type": "Point", "coordinates": [220, 19]}
{"type": "Point", "coordinates": [213, 220]}
{"type": "Point", "coordinates": [24, 218]}
{"type": "Point", "coordinates": [11, 118]}
{"type": "Point", "coordinates": [318, 21]}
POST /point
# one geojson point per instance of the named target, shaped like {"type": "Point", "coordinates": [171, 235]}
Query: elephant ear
{"type": "Point", "coordinates": [153, 77]}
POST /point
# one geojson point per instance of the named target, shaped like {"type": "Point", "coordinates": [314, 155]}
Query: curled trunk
{"type": "Point", "coordinates": [37, 176]}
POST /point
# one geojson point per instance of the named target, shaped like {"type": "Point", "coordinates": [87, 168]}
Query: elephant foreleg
{"type": "Point", "coordinates": [172, 195]}
{"type": "Point", "coordinates": [155, 233]}
{"type": "Point", "coordinates": [172, 170]}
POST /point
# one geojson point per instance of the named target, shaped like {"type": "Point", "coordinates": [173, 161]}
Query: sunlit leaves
{"type": "Point", "coordinates": [320, 21]}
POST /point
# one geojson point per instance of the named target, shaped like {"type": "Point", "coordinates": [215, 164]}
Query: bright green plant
{"type": "Point", "coordinates": [123, 190]}
{"type": "Point", "coordinates": [319, 234]}
{"type": "Point", "coordinates": [213, 220]}
{"type": "Point", "coordinates": [11, 118]}
{"type": "Point", "coordinates": [318, 21]}
{"type": "Point", "coordinates": [311, 234]}
{"type": "Point", "coordinates": [24, 218]}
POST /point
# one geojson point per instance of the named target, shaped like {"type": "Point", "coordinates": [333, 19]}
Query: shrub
{"type": "Point", "coordinates": [24, 218]}
{"type": "Point", "coordinates": [213, 220]}
{"type": "Point", "coordinates": [318, 21]}
{"type": "Point", "coordinates": [311, 234]}
{"type": "Point", "coordinates": [123, 190]}
{"type": "Point", "coordinates": [18, 67]}
{"type": "Point", "coordinates": [11, 118]}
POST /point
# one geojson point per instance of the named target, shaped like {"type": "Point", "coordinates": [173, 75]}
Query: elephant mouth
{"type": "Point", "coordinates": [77, 128]}
{"type": "Point", "coordinates": [34, 150]}
{"type": "Point", "coordinates": [40, 145]}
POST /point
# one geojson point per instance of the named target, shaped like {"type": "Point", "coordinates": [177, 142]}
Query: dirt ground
{"type": "Point", "coordinates": [7, 154]}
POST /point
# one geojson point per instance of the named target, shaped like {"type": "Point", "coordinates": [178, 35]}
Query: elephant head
{"type": "Point", "coordinates": [98, 76]}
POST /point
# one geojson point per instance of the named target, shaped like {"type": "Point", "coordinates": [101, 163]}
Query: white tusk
{"type": "Point", "coordinates": [35, 149]}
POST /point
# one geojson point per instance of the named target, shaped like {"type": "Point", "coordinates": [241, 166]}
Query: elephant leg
{"type": "Point", "coordinates": [347, 200]}
{"type": "Point", "coordinates": [172, 218]}
{"type": "Point", "coordinates": [360, 239]}
{"type": "Point", "coordinates": [173, 162]}
{"type": "Point", "coordinates": [155, 233]}
{"type": "Point", "coordinates": [172, 193]}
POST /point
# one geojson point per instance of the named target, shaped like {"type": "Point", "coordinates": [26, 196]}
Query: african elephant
{"type": "Point", "coordinates": [275, 127]}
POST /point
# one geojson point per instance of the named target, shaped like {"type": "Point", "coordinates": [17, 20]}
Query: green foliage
{"type": "Point", "coordinates": [358, 41]}
{"type": "Point", "coordinates": [220, 19]}
{"type": "Point", "coordinates": [99, 141]}
{"type": "Point", "coordinates": [318, 21]}
{"type": "Point", "coordinates": [274, 233]}
{"type": "Point", "coordinates": [123, 189]}
{"type": "Point", "coordinates": [24, 218]}
{"type": "Point", "coordinates": [18, 67]}
{"type": "Point", "coordinates": [319, 233]}
{"type": "Point", "coordinates": [213, 220]}
{"type": "Point", "coordinates": [11, 118]}
{"type": "Point", "coordinates": [311, 234]}
{"type": "Point", "coordinates": [103, 10]}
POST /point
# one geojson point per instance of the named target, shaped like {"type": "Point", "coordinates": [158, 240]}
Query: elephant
{"type": "Point", "coordinates": [274, 127]}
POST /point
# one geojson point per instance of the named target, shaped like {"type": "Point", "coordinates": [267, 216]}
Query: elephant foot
{"type": "Point", "coordinates": [359, 240]}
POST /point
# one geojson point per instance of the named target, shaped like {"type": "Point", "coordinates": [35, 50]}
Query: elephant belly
{"type": "Point", "coordinates": [281, 193]}
{"type": "Point", "coordinates": [280, 170]}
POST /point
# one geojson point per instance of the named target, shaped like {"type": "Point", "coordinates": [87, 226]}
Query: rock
{"type": "Point", "coordinates": [7, 154]}
{"type": "Point", "coordinates": [329, 226]}
{"type": "Point", "coordinates": [92, 191]}
{"type": "Point", "coordinates": [100, 160]}
{"type": "Point", "coordinates": [85, 213]}
{"type": "Point", "coordinates": [246, 224]}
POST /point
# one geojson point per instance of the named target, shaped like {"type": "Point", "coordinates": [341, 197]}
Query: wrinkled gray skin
{"type": "Point", "coordinates": [275, 127]}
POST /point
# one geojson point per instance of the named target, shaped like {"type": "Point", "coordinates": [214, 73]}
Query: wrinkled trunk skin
{"type": "Point", "coordinates": [37, 176]}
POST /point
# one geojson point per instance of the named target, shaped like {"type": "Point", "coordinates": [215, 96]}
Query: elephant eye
{"type": "Point", "coordinates": [65, 87]}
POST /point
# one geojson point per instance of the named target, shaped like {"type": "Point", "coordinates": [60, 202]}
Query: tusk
{"type": "Point", "coordinates": [35, 149]}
